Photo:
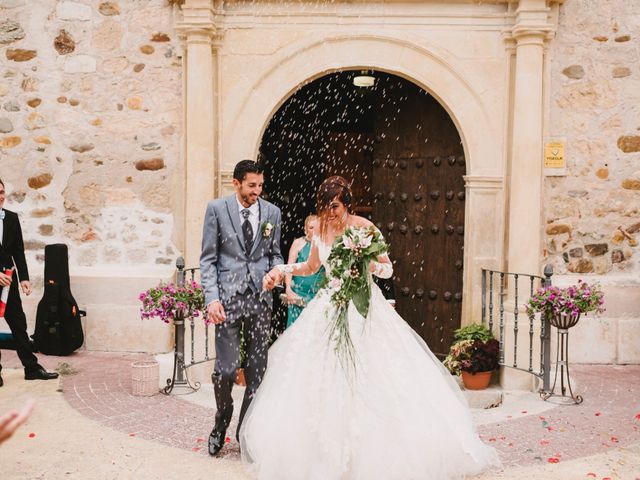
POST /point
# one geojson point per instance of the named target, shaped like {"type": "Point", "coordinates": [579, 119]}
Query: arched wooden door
{"type": "Point", "coordinates": [418, 203]}
{"type": "Point", "coordinates": [404, 156]}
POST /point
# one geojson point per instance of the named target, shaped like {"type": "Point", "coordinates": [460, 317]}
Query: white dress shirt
{"type": "Point", "coordinates": [1, 225]}
{"type": "Point", "coordinates": [254, 216]}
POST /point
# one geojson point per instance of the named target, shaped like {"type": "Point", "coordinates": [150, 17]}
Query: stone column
{"type": "Point", "coordinates": [526, 180]}
{"type": "Point", "coordinates": [525, 207]}
{"type": "Point", "coordinates": [199, 33]}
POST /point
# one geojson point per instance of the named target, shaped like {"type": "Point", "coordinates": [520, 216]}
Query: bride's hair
{"type": "Point", "coordinates": [330, 189]}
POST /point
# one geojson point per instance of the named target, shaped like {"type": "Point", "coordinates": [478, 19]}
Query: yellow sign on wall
{"type": "Point", "coordinates": [554, 155]}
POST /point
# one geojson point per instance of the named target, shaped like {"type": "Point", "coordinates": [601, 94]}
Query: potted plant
{"type": "Point", "coordinates": [474, 355]}
{"type": "Point", "coordinates": [565, 305]}
{"type": "Point", "coordinates": [167, 299]}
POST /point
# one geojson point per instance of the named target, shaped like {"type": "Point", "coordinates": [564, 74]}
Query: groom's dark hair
{"type": "Point", "coordinates": [246, 166]}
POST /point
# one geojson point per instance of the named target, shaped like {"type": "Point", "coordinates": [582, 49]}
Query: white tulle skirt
{"type": "Point", "coordinates": [401, 416]}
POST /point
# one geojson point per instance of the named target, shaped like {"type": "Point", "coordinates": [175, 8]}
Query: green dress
{"type": "Point", "coordinates": [306, 287]}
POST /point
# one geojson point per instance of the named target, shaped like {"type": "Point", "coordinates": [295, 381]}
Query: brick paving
{"type": "Point", "coordinates": [608, 418]}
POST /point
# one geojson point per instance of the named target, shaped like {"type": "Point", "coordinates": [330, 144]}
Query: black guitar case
{"type": "Point", "coordinates": [58, 326]}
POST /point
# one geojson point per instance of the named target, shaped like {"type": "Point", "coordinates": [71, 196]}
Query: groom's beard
{"type": "Point", "coordinates": [249, 199]}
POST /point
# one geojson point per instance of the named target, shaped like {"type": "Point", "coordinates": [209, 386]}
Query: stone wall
{"type": "Point", "coordinates": [90, 127]}
{"type": "Point", "coordinates": [593, 213]}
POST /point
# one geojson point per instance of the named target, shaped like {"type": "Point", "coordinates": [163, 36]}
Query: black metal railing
{"type": "Point", "coordinates": [508, 285]}
{"type": "Point", "coordinates": [180, 363]}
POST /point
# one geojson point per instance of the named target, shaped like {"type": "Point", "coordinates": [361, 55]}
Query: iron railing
{"type": "Point", "coordinates": [507, 284]}
{"type": "Point", "coordinates": [181, 363]}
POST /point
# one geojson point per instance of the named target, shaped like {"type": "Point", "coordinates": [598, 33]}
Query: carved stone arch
{"type": "Point", "coordinates": [437, 72]}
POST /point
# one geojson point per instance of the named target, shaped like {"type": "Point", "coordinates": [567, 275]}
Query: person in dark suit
{"type": "Point", "coordinates": [12, 256]}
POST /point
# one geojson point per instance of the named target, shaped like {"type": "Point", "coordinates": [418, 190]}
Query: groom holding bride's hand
{"type": "Point", "coordinates": [240, 244]}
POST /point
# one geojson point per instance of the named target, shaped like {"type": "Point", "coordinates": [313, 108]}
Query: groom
{"type": "Point", "coordinates": [240, 244]}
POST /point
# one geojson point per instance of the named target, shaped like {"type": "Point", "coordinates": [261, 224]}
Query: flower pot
{"type": "Point", "coordinates": [564, 320]}
{"type": "Point", "coordinates": [240, 377]}
{"type": "Point", "coordinates": [476, 381]}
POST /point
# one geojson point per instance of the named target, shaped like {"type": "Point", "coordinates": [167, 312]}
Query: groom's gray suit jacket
{"type": "Point", "coordinates": [226, 268]}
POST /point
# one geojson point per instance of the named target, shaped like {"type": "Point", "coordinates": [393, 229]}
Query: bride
{"type": "Point", "coordinates": [396, 415]}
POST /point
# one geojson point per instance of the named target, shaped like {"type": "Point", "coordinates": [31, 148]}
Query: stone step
{"type": "Point", "coordinates": [490, 397]}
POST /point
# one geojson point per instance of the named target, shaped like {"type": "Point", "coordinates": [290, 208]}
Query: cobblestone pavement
{"type": "Point", "coordinates": [608, 420]}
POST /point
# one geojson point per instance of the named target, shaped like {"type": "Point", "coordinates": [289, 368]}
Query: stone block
{"type": "Point", "coordinates": [118, 328]}
{"type": "Point", "coordinates": [593, 340]}
{"type": "Point", "coordinates": [80, 64]}
{"type": "Point", "coordinates": [10, 31]}
{"type": "Point", "coordinates": [490, 397]}
{"type": "Point", "coordinates": [629, 340]}
{"type": "Point", "coordinates": [74, 11]}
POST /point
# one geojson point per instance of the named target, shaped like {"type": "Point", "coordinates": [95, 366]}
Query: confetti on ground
{"type": "Point", "coordinates": [31, 435]}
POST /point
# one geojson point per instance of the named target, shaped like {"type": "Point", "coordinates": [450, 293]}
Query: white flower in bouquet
{"type": "Point", "coordinates": [348, 243]}
{"type": "Point", "coordinates": [364, 241]}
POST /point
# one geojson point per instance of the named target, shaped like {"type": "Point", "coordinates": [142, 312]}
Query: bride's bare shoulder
{"type": "Point", "coordinates": [361, 222]}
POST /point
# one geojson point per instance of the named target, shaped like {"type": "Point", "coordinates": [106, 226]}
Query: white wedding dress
{"type": "Point", "coordinates": [400, 416]}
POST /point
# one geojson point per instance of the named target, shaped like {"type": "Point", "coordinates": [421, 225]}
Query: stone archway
{"type": "Point", "coordinates": [434, 72]}
{"type": "Point", "coordinates": [403, 156]}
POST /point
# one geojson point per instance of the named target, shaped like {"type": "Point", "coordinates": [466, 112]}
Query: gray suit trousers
{"type": "Point", "coordinates": [243, 311]}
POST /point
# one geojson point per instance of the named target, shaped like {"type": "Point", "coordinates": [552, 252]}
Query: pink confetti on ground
{"type": "Point", "coordinates": [553, 460]}
{"type": "Point", "coordinates": [199, 440]}
{"type": "Point", "coordinates": [597, 414]}
{"type": "Point", "coordinates": [227, 440]}
{"type": "Point", "coordinates": [132, 434]}
{"type": "Point", "coordinates": [591, 474]}
{"type": "Point", "coordinates": [31, 435]}
{"type": "Point", "coordinates": [544, 442]}
{"type": "Point", "coordinates": [196, 449]}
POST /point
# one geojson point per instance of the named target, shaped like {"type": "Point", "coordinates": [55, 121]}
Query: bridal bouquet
{"type": "Point", "coordinates": [348, 281]}
{"type": "Point", "coordinates": [165, 300]}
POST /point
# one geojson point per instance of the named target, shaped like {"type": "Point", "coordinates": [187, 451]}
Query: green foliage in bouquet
{"type": "Point", "coordinates": [348, 280]}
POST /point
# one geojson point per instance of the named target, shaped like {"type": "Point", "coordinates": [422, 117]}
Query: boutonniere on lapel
{"type": "Point", "coordinates": [267, 229]}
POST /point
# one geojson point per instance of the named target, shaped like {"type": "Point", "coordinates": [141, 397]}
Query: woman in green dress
{"type": "Point", "coordinates": [300, 290]}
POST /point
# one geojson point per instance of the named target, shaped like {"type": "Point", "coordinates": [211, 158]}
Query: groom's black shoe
{"type": "Point", "coordinates": [40, 374]}
{"type": "Point", "coordinates": [216, 441]}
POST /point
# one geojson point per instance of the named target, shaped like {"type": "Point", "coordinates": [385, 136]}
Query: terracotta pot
{"type": "Point", "coordinates": [240, 377]}
{"type": "Point", "coordinates": [476, 381]}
